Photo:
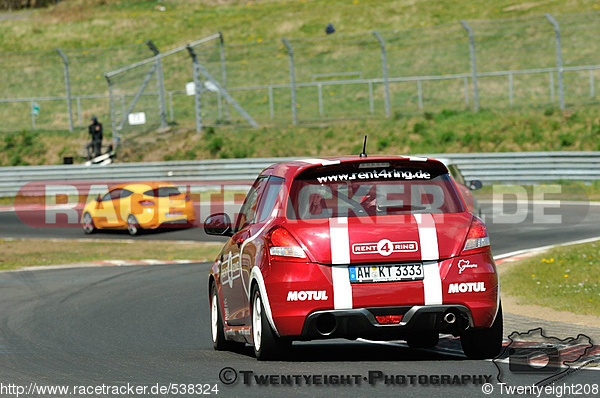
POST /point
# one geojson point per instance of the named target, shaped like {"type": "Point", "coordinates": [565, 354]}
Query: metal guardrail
{"type": "Point", "coordinates": [512, 168]}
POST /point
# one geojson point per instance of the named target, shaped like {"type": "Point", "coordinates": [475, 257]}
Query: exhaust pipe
{"type": "Point", "coordinates": [450, 318]}
{"type": "Point", "coordinates": [326, 324]}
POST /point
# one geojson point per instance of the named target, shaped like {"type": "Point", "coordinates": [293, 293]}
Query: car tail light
{"type": "Point", "coordinates": [388, 319]}
{"type": "Point", "coordinates": [147, 203]}
{"type": "Point", "coordinates": [477, 237]}
{"type": "Point", "coordinates": [282, 243]}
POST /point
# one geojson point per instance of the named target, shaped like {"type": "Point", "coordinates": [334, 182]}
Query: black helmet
{"type": "Point", "coordinates": [94, 119]}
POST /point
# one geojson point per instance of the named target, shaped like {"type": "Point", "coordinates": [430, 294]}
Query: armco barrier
{"type": "Point", "coordinates": [511, 168]}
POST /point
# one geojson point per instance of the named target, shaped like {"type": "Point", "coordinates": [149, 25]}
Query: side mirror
{"type": "Point", "coordinates": [475, 185]}
{"type": "Point", "coordinates": [218, 224]}
{"type": "Point", "coordinates": [98, 199]}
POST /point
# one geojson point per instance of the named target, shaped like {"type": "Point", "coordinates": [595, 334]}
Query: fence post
{"type": "Point", "coordinates": [467, 91]}
{"type": "Point", "coordinates": [592, 86]}
{"type": "Point", "coordinates": [473, 65]}
{"type": "Point", "coordinates": [111, 106]}
{"type": "Point", "coordinates": [198, 87]}
{"type": "Point", "coordinates": [67, 86]}
{"type": "Point", "coordinates": [559, 65]}
{"type": "Point", "coordinates": [171, 113]}
{"type": "Point", "coordinates": [79, 120]}
{"type": "Point", "coordinates": [160, 81]}
{"type": "Point", "coordinates": [32, 114]}
{"type": "Point", "coordinates": [420, 94]}
{"type": "Point", "coordinates": [386, 85]}
{"type": "Point", "coordinates": [551, 78]}
{"type": "Point", "coordinates": [271, 105]}
{"type": "Point", "coordinates": [510, 89]}
{"type": "Point", "coordinates": [223, 71]}
{"type": "Point", "coordinates": [320, 90]}
{"type": "Point", "coordinates": [290, 51]}
{"type": "Point", "coordinates": [371, 102]}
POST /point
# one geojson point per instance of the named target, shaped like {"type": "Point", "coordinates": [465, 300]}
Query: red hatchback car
{"type": "Point", "coordinates": [380, 248]}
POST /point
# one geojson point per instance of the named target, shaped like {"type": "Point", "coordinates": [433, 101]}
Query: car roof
{"type": "Point", "coordinates": [142, 186]}
{"type": "Point", "coordinates": [292, 168]}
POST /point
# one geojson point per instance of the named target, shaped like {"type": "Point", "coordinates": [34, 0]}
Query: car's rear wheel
{"type": "Point", "coordinates": [483, 343]}
{"type": "Point", "coordinates": [267, 345]}
{"type": "Point", "coordinates": [88, 223]}
{"type": "Point", "coordinates": [133, 227]}
{"type": "Point", "coordinates": [216, 323]}
{"type": "Point", "coordinates": [423, 340]}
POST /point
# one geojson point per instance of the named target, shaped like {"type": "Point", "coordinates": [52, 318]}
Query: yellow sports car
{"type": "Point", "coordinates": [138, 206]}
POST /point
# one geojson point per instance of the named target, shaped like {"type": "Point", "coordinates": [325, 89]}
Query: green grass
{"type": "Point", "coordinates": [565, 279]}
{"type": "Point", "coordinates": [28, 252]}
{"type": "Point", "coordinates": [446, 131]}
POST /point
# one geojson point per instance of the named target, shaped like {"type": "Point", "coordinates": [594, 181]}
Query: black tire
{"type": "Point", "coordinates": [423, 340]}
{"type": "Point", "coordinates": [267, 345]}
{"type": "Point", "coordinates": [133, 226]}
{"type": "Point", "coordinates": [484, 343]}
{"type": "Point", "coordinates": [88, 223]}
{"type": "Point", "coordinates": [216, 323]}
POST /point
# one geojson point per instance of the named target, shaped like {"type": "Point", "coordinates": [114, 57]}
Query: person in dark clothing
{"type": "Point", "coordinates": [95, 130]}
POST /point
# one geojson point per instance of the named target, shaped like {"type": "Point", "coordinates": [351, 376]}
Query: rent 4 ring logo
{"type": "Point", "coordinates": [385, 247]}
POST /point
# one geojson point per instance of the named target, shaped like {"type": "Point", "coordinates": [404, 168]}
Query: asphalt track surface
{"type": "Point", "coordinates": [145, 325]}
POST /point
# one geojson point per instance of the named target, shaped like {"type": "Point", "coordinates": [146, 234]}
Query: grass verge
{"type": "Point", "coordinates": [565, 279]}
{"type": "Point", "coordinates": [28, 252]}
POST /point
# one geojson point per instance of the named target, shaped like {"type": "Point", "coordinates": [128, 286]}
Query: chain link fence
{"type": "Point", "coordinates": [540, 61]}
{"type": "Point", "coordinates": [36, 86]}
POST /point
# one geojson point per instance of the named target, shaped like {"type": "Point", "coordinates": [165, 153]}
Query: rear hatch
{"type": "Point", "coordinates": [377, 212]}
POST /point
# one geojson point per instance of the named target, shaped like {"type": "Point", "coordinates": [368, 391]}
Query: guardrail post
{"type": "Point", "coordinates": [162, 102]}
{"type": "Point", "coordinates": [67, 86]}
{"type": "Point", "coordinates": [559, 65]}
{"type": "Point", "coordinates": [198, 87]}
{"type": "Point", "coordinates": [223, 71]}
{"type": "Point", "coordinates": [290, 51]}
{"type": "Point", "coordinates": [386, 84]}
{"type": "Point", "coordinates": [473, 65]}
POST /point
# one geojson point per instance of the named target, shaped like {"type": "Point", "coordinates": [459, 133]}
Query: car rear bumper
{"type": "Point", "coordinates": [362, 322]}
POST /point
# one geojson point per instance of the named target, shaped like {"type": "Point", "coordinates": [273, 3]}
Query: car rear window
{"type": "Point", "coordinates": [373, 189]}
{"type": "Point", "coordinates": [163, 192]}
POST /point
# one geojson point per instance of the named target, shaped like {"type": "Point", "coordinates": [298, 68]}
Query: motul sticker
{"type": "Point", "coordinates": [303, 295]}
{"type": "Point", "coordinates": [466, 287]}
{"type": "Point", "coordinates": [385, 247]}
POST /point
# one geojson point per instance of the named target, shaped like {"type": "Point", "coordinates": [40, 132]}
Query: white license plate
{"type": "Point", "coordinates": [176, 214]}
{"type": "Point", "coordinates": [385, 273]}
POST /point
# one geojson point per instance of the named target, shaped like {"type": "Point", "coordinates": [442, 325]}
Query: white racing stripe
{"type": "Point", "coordinates": [340, 258]}
{"type": "Point", "coordinates": [432, 282]}
{"type": "Point", "coordinates": [323, 162]}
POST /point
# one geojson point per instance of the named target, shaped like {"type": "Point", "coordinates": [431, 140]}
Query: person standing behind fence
{"type": "Point", "coordinates": [95, 130]}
